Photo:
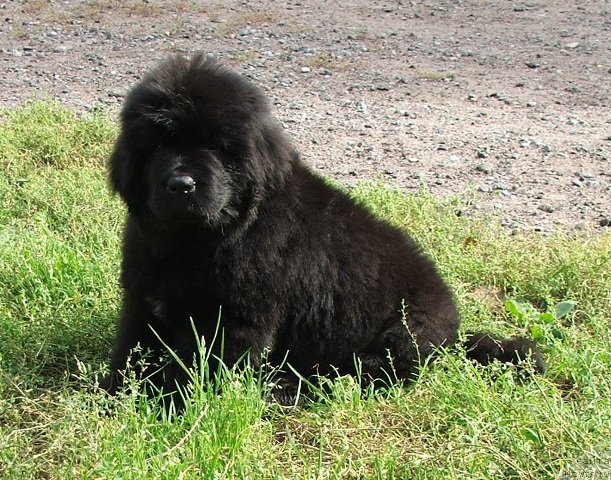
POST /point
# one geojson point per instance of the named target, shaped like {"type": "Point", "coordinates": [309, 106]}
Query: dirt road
{"type": "Point", "coordinates": [503, 103]}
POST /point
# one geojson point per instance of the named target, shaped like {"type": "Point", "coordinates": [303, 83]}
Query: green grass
{"type": "Point", "coordinates": [59, 297]}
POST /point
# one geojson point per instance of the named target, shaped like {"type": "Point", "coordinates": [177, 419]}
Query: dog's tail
{"type": "Point", "coordinates": [484, 348]}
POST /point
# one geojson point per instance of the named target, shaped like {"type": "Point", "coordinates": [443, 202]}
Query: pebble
{"type": "Point", "coordinates": [483, 168]}
{"type": "Point", "coordinates": [361, 106]}
{"type": "Point", "coordinates": [546, 208]}
{"type": "Point", "coordinates": [605, 222]}
{"type": "Point", "coordinates": [501, 97]}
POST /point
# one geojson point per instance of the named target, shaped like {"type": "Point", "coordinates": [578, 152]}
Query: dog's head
{"type": "Point", "coordinates": [198, 144]}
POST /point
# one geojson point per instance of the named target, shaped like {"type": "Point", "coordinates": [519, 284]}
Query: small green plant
{"type": "Point", "coordinates": [19, 33]}
{"type": "Point", "coordinates": [544, 326]}
{"type": "Point", "coordinates": [327, 61]}
{"type": "Point", "coordinates": [246, 18]}
{"type": "Point", "coordinates": [243, 56]}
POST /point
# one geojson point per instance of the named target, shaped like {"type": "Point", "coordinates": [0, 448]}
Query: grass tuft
{"type": "Point", "coordinates": [46, 134]}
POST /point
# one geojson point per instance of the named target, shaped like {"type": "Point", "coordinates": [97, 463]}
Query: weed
{"type": "Point", "coordinates": [327, 61]}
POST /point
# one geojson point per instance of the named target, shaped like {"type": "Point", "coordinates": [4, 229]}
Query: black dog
{"type": "Point", "coordinates": [224, 215]}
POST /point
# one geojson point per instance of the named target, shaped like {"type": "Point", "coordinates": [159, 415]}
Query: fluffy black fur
{"type": "Point", "coordinates": [222, 213]}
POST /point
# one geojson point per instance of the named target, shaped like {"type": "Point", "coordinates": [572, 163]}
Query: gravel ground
{"type": "Point", "coordinates": [504, 104]}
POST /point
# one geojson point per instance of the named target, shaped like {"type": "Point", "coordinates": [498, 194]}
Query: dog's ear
{"type": "Point", "coordinates": [124, 175]}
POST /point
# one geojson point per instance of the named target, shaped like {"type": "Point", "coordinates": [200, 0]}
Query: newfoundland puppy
{"type": "Point", "coordinates": [230, 237]}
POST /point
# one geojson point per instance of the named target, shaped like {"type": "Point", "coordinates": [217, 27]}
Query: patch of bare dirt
{"type": "Point", "coordinates": [502, 103]}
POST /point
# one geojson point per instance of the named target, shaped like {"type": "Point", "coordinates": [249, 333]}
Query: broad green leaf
{"type": "Point", "coordinates": [537, 332]}
{"type": "Point", "coordinates": [514, 308]}
{"type": "Point", "coordinates": [547, 318]}
{"type": "Point", "coordinates": [531, 435]}
{"type": "Point", "coordinates": [564, 308]}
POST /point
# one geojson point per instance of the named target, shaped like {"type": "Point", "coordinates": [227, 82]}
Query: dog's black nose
{"type": "Point", "coordinates": [181, 184]}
